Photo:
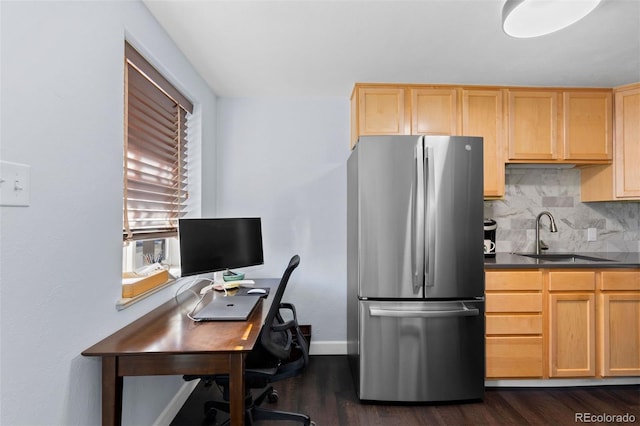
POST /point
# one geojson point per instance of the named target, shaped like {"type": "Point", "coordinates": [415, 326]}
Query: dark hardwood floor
{"type": "Point", "coordinates": [325, 392]}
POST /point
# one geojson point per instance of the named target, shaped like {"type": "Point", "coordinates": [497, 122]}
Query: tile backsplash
{"type": "Point", "coordinates": [530, 191]}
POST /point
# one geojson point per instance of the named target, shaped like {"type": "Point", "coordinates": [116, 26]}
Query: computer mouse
{"type": "Point", "coordinates": [257, 291]}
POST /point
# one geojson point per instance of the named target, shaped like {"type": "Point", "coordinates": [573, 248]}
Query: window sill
{"type": "Point", "coordinates": [168, 280]}
{"type": "Point", "coordinates": [124, 303]}
{"type": "Point", "coordinates": [134, 285]}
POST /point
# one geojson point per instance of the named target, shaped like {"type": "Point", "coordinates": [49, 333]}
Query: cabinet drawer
{"type": "Point", "coordinates": [572, 280]}
{"type": "Point", "coordinates": [513, 324]}
{"type": "Point", "coordinates": [621, 280]}
{"type": "Point", "coordinates": [514, 302]}
{"type": "Point", "coordinates": [514, 357]}
{"type": "Point", "coordinates": [513, 280]}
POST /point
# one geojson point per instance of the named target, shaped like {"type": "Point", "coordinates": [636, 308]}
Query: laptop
{"type": "Point", "coordinates": [229, 308]}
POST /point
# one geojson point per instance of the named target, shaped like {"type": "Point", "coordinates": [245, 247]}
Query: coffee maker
{"type": "Point", "coordinates": [490, 227]}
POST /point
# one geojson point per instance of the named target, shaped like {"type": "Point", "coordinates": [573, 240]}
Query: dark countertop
{"type": "Point", "coordinates": [514, 261]}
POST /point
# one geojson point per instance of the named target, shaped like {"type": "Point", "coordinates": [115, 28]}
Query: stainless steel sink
{"type": "Point", "coordinates": [565, 257]}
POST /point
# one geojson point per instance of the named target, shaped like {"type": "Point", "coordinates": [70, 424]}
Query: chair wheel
{"type": "Point", "coordinates": [210, 413]}
{"type": "Point", "coordinates": [273, 396]}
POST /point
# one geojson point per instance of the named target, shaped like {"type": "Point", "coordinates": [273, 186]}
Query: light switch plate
{"type": "Point", "coordinates": [14, 184]}
{"type": "Point", "coordinates": [592, 234]}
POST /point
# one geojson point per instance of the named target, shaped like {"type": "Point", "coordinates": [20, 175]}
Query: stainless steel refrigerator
{"type": "Point", "coordinates": [415, 310]}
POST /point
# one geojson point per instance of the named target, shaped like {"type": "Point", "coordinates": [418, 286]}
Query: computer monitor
{"type": "Point", "coordinates": [210, 245]}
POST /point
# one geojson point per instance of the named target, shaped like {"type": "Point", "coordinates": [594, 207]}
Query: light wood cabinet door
{"type": "Point", "coordinates": [619, 338]}
{"type": "Point", "coordinates": [572, 335]}
{"type": "Point", "coordinates": [482, 116]}
{"type": "Point", "coordinates": [621, 179]}
{"type": "Point", "coordinates": [533, 125]}
{"type": "Point", "coordinates": [587, 123]}
{"type": "Point", "coordinates": [627, 142]}
{"type": "Point", "coordinates": [380, 111]}
{"type": "Point", "coordinates": [434, 111]}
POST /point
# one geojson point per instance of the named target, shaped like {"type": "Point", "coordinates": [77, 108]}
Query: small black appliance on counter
{"type": "Point", "coordinates": [490, 227]}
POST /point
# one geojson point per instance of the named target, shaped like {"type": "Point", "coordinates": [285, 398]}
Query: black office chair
{"type": "Point", "coordinates": [280, 353]}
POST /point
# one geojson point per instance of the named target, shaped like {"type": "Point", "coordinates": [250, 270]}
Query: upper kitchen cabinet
{"type": "Point", "coordinates": [403, 110]}
{"type": "Point", "coordinates": [482, 115]}
{"type": "Point", "coordinates": [415, 109]}
{"type": "Point", "coordinates": [518, 124]}
{"type": "Point", "coordinates": [627, 143]}
{"type": "Point", "coordinates": [434, 111]}
{"type": "Point", "coordinates": [620, 180]}
{"type": "Point", "coordinates": [533, 125]}
{"type": "Point", "coordinates": [587, 124]}
{"type": "Point", "coordinates": [560, 126]}
{"type": "Point", "coordinates": [377, 111]}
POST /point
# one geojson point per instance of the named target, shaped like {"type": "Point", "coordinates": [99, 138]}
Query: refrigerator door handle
{"type": "Point", "coordinates": [430, 219]}
{"type": "Point", "coordinates": [464, 311]}
{"type": "Point", "coordinates": [418, 220]}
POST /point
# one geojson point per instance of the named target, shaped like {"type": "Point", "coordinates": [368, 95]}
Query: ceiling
{"type": "Point", "coordinates": [321, 48]}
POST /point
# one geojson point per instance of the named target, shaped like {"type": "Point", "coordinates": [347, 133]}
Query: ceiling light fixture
{"type": "Point", "coordinates": [533, 18]}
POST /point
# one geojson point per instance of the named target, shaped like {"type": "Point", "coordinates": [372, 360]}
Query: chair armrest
{"type": "Point", "coordinates": [291, 307]}
{"type": "Point", "coordinates": [288, 324]}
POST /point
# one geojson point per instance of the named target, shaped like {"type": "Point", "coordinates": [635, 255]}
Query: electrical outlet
{"type": "Point", "coordinates": [591, 234]}
{"type": "Point", "coordinates": [14, 184]}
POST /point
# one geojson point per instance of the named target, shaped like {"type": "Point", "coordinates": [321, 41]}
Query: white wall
{"type": "Point", "coordinates": [285, 161]}
{"type": "Point", "coordinates": [60, 258]}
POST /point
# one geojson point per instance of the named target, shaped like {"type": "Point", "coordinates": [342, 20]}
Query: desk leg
{"type": "Point", "coordinates": [236, 388]}
{"type": "Point", "coordinates": [111, 392]}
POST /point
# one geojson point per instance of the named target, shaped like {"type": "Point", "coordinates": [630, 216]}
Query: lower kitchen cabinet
{"type": "Point", "coordinates": [572, 335]}
{"type": "Point", "coordinates": [620, 335]}
{"type": "Point", "coordinates": [619, 323]}
{"type": "Point", "coordinates": [562, 323]}
{"type": "Point", "coordinates": [572, 323]}
{"type": "Point", "coordinates": [514, 357]}
{"type": "Point", "coordinates": [514, 326]}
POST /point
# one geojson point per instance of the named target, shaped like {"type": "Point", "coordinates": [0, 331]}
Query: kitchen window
{"type": "Point", "coordinates": [155, 174]}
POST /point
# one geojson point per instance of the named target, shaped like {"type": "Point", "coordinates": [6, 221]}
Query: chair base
{"type": "Point", "coordinates": [254, 411]}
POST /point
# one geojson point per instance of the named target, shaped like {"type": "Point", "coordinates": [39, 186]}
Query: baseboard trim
{"type": "Point", "coordinates": [549, 383]}
{"type": "Point", "coordinates": [336, 347]}
{"type": "Point", "coordinates": [173, 407]}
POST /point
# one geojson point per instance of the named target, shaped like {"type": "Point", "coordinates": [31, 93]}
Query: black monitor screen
{"type": "Point", "coordinates": [209, 245]}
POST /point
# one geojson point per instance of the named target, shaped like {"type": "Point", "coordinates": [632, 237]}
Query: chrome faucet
{"type": "Point", "coordinates": [552, 228]}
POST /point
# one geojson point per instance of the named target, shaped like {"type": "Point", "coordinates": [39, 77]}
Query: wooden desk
{"type": "Point", "coordinates": [166, 342]}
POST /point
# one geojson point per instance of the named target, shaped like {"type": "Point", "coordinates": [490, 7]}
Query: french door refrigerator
{"type": "Point", "coordinates": [415, 309]}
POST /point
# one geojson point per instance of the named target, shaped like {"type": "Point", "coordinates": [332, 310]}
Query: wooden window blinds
{"type": "Point", "coordinates": [155, 163]}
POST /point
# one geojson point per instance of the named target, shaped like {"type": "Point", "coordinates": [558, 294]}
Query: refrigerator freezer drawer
{"type": "Point", "coordinates": [421, 351]}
